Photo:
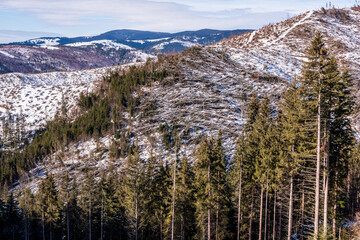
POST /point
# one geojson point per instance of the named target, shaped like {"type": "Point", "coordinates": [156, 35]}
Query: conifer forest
{"type": "Point", "coordinates": [294, 173]}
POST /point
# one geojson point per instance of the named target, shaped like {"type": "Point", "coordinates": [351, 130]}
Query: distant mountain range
{"type": "Point", "coordinates": [110, 48]}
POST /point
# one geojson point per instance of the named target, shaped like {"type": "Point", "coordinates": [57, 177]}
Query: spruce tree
{"type": "Point", "coordinates": [212, 196]}
{"type": "Point", "coordinates": [293, 142]}
{"type": "Point", "coordinates": [134, 176]}
{"type": "Point", "coordinates": [12, 218]}
{"type": "Point", "coordinates": [49, 203]}
{"type": "Point", "coordinates": [185, 205]}
{"type": "Point", "coordinates": [320, 83]}
{"type": "Point", "coordinates": [26, 204]}
{"type": "Point", "coordinates": [264, 158]}
{"type": "Point", "coordinates": [204, 196]}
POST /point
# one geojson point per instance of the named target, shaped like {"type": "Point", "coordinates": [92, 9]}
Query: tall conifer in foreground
{"type": "Point", "coordinates": [325, 91]}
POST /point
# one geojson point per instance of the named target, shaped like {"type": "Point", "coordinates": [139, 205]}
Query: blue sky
{"type": "Point", "coordinates": [90, 17]}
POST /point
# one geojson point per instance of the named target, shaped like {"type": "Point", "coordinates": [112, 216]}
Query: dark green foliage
{"type": "Point", "coordinates": [212, 190]}
{"type": "Point", "coordinates": [169, 134]}
{"type": "Point", "coordinates": [10, 219]}
{"type": "Point", "coordinates": [85, 102]}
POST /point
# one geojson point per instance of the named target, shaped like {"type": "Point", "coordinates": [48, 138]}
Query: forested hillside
{"type": "Point", "coordinates": [293, 172]}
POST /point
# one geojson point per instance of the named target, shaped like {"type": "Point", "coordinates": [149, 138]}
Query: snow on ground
{"type": "Point", "coordinates": [7, 54]}
{"type": "Point", "coordinates": [187, 44]}
{"type": "Point", "coordinates": [39, 96]}
{"type": "Point", "coordinates": [148, 40]}
{"type": "Point", "coordinates": [106, 43]}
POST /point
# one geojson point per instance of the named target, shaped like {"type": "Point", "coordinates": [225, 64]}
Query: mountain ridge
{"type": "Point", "coordinates": [104, 50]}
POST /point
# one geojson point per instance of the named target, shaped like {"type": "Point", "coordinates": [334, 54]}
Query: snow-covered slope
{"type": "Point", "coordinates": [279, 49]}
{"type": "Point", "coordinates": [215, 85]}
{"type": "Point", "coordinates": [40, 96]}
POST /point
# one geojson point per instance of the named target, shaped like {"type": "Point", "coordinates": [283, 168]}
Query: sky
{"type": "Point", "coordinates": [21, 19]}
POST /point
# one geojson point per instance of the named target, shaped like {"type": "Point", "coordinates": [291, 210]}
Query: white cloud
{"type": "Point", "coordinates": [162, 15]}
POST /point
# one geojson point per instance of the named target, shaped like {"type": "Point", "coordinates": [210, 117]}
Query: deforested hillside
{"type": "Point", "coordinates": [279, 48]}
{"type": "Point", "coordinates": [248, 138]}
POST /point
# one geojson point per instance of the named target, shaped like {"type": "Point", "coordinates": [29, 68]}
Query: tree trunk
{"type": "Point", "coordinates": [348, 181]}
{"type": "Point", "coordinates": [25, 225]}
{"type": "Point", "coordinates": [50, 230]}
{"type": "Point", "coordinates": [173, 204]}
{"type": "Point", "coordinates": [326, 187]}
{"type": "Point", "coordinates": [266, 209]}
{"type": "Point", "coordinates": [136, 217]}
{"type": "Point", "coordinates": [67, 223]}
{"type": "Point", "coordinates": [239, 206]}
{"type": "Point", "coordinates": [261, 211]}
{"type": "Point", "coordinates": [274, 219]}
{"type": "Point", "coordinates": [161, 227]}
{"type": "Point", "coordinates": [280, 220]}
{"type": "Point", "coordinates": [182, 228]}
{"type": "Point", "coordinates": [209, 225]}
{"type": "Point", "coordinates": [102, 219]}
{"type": "Point", "coordinates": [90, 218]}
{"type": "Point", "coordinates": [43, 225]}
{"type": "Point", "coordinates": [217, 219]}
{"type": "Point", "coordinates": [302, 211]}
{"type": "Point", "coordinates": [335, 206]}
{"type": "Point", "coordinates": [290, 206]}
{"type": "Point", "coordinates": [251, 214]}
{"type": "Point", "coordinates": [318, 162]}
{"type": "Point", "coordinates": [209, 212]}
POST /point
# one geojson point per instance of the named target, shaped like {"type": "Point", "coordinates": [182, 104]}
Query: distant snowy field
{"type": "Point", "coordinates": [39, 96]}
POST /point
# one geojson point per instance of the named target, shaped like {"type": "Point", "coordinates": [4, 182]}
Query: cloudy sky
{"type": "Point", "coordinates": [90, 17]}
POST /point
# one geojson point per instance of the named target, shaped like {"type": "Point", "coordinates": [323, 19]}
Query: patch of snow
{"type": "Point", "coordinates": [7, 54]}
{"type": "Point", "coordinates": [149, 40]}
{"type": "Point", "coordinates": [49, 47]}
{"type": "Point", "coordinates": [137, 41]}
{"type": "Point", "coordinates": [106, 43]}
{"type": "Point", "coordinates": [184, 43]}
{"type": "Point", "coordinates": [45, 42]}
{"type": "Point", "coordinates": [308, 15]}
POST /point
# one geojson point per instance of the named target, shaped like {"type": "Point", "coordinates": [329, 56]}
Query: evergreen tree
{"type": "Point", "coordinates": [320, 88]}
{"type": "Point", "coordinates": [27, 203]}
{"type": "Point", "coordinates": [87, 201]}
{"type": "Point", "coordinates": [134, 175]}
{"type": "Point", "coordinates": [262, 135]}
{"type": "Point", "coordinates": [211, 189]}
{"type": "Point", "coordinates": [12, 219]}
{"type": "Point", "coordinates": [185, 200]}
{"type": "Point", "coordinates": [49, 204]}
{"type": "Point", "coordinates": [294, 147]}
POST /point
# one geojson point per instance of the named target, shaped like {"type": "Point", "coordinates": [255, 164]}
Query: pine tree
{"type": "Point", "coordinates": [49, 203]}
{"type": "Point", "coordinates": [238, 182]}
{"type": "Point", "coordinates": [320, 80]}
{"type": "Point", "coordinates": [249, 152]}
{"type": "Point", "coordinates": [204, 197]}
{"type": "Point", "coordinates": [221, 189]}
{"type": "Point", "coordinates": [212, 197]}
{"type": "Point", "coordinates": [88, 199]}
{"type": "Point", "coordinates": [293, 141]}
{"type": "Point", "coordinates": [27, 203]}
{"type": "Point", "coordinates": [133, 191]}
{"type": "Point", "coordinates": [186, 200]}
{"type": "Point", "coordinates": [341, 144]}
{"type": "Point", "coordinates": [12, 218]}
{"type": "Point", "coordinates": [264, 159]}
